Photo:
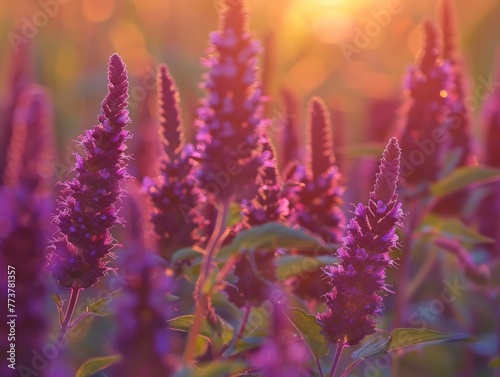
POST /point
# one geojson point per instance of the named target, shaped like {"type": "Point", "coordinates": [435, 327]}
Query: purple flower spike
{"type": "Point", "coordinates": [487, 212]}
{"type": "Point", "coordinates": [25, 207]}
{"type": "Point", "coordinates": [270, 203]}
{"type": "Point", "coordinates": [255, 272]}
{"type": "Point", "coordinates": [230, 119]}
{"type": "Point", "coordinates": [87, 209]}
{"type": "Point", "coordinates": [170, 120]}
{"type": "Point", "coordinates": [359, 278]}
{"type": "Point", "coordinates": [291, 146]}
{"type": "Point", "coordinates": [321, 137]}
{"type": "Point", "coordinates": [459, 142]}
{"type": "Point", "coordinates": [316, 204]}
{"type": "Point", "coordinates": [458, 118]}
{"type": "Point", "coordinates": [429, 86]}
{"type": "Point", "coordinates": [174, 194]}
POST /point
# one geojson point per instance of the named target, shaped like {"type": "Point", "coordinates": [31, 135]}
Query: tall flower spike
{"type": "Point", "coordinates": [448, 26]}
{"type": "Point", "coordinates": [458, 119]}
{"type": "Point", "coordinates": [487, 212]}
{"type": "Point", "coordinates": [230, 119]}
{"type": "Point", "coordinates": [315, 204]}
{"type": "Point", "coordinates": [18, 78]}
{"type": "Point", "coordinates": [321, 137]}
{"type": "Point", "coordinates": [146, 144]}
{"type": "Point", "coordinates": [25, 205]}
{"type": "Point", "coordinates": [169, 113]}
{"type": "Point", "coordinates": [174, 194]}
{"type": "Point", "coordinates": [359, 279]}
{"type": "Point", "coordinates": [429, 87]}
{"type": "Point", "coordinates": [87, 208]}
{"type": "Point", "coordinates": [459, 142]}
{"type": "Point", "coordinates": [30, 156]}
{"type": "Point", "coordinates": [256, 271]}
{"type": "Point", "coordinates": [290, 146]}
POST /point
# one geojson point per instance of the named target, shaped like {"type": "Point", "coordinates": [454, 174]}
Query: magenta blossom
{"type": "Point", "coordinates": [87, 208]}
{"type": "Point", "coordinates": [230, 119]}
{"type": "Point", "coordinates": [359, 279]}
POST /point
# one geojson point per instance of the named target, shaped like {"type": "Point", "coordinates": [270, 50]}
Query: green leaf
{"type": "Point", "coordinates": [271, 236]}
{"type": "Point", "coordinates": [372, 347]}
{"type": "Point", "coordinates": [184, 323]}
{"type": "Point", "coordinates": [187, 253]}
{"type": "Point", "coordinates": [235, 215]}
{"type": "Point", "coordinates": [405, 338]}
{"type": "Point", "coordinates": [463, 177]}
{"type": "Point", "coordinates": [217, 335]}
{"type": "Point", "coordinates": [293, 265]}
{"type": "Point", "coordinates": [100, 307]}
{"type": "Point", "coordinates": [96, 364]}
{"type": "Point", "coordinates": [58, 301]}
{"type": "Point", "coordinates": [310, 330]}
{"type": "Point", "coordinates": [220, 368]}
{"type": "Point", "coordinates": [434, 225]}
{"type": "Point", "coordinates": [214, 369]}
{"type": "Point", "coordinates": [494, 363]}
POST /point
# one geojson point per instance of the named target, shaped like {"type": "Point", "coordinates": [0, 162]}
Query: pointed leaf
{"type": "Point", "coordinates": [58, 301]}
{"type": "Point", "coordinates": [213, 369]}
{"type": "Point", "coordinates": [219, 335]}
{"type": "Point", "coordinates": [402, 338]}
{"type": "Point", "coordinates": [310, 330]}
{"type": "Point", "coordinates": [271, 236]}
{"type": "Point", "coordinates": [494, 363]}
{"type": "Point", "coordinates": [101, 306]}
{"type": "Point", "coordinates": [184, 323]}
{"type": "Point", "coordinates": [434, 225]}
{"type": "Point", "coordinates": [406, 338]}
{"type": "Point", "coordinates": [235, 215]}
{"type": "Point", "coordinates": [372, 348]}
{"type": "Point", "coordinates": [292, 265]}
{"type": "Point", "coordinates": [463, 177]}
{"type": "Point", "coordinates": [96, 364]}
{"type": "Point", "coordinates": [187, 253]}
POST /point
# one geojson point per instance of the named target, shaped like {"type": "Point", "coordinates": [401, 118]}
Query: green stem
{"type": "Point", "coordinates": [319, 367]}
{"type": "Point", "coordinates": [201, 300]}
{"type": "Point", "coordinates": [244, 321]}
{"type": "Point", "coordinates": [336, 359]}
{"type": "Point", "coordinates": [415, 209]}
{"type": "Point", "coordinates": [421, 274]}
{"type": "Point", "coordinates": [350, 368]}
{"type": "Point", "coordinates": [241, 329]}
{"type": "Point", "coordinates": [70, 310]}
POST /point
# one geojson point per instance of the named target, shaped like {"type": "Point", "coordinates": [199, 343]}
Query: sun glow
{"type": "Point", "coordinates": [331, 21]}
{"type": "Point", "coordinates": [334, 5]}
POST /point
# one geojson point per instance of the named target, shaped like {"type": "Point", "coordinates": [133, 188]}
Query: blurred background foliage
{"type": "Point", "coordinates": [68, 52]}
{"type": "Point", "coordinates": [69, 49]}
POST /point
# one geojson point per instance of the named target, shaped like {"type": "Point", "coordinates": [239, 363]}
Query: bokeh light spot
{"type": "Point", "coordinates": [333, 27]}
